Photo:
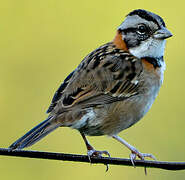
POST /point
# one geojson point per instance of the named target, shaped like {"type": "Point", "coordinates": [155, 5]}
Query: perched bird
{"type": "Point", "coordinates": [112, 88]}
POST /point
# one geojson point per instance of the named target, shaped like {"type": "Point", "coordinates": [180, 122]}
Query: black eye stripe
{"type": "Point", "coordinates": [145, 29]}
{"type": "Point", "coordinates": [133, 30]}
{"type": "Point", "coordinates": [128, 30]}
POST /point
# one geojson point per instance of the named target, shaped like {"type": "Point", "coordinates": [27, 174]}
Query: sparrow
{"type": "Point", "coordinates": [112, 88]}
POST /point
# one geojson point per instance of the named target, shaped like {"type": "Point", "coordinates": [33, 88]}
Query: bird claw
{"type": "Point", "coordinates": [132, 158]}
{"type": "Point", "coordinates": [135, 153]}
{"type": "Point", "coordinates": [95, 153]}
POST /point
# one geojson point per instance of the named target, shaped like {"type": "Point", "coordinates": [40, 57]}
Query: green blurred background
{"type": "Point", "coordinates": [41, 42]}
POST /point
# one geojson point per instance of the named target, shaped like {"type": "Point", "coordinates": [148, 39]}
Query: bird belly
{"type": "Point", "coordinates": [122, 115]}
{"type": "Point", "coordinates": [112, 118]}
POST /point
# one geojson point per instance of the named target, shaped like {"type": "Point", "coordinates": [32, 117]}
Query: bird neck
{"type": "Point", "coordinates": [156, 62]}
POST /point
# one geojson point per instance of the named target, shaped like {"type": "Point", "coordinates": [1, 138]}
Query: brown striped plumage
{"type": "Point", "coordinates": [107, 71]}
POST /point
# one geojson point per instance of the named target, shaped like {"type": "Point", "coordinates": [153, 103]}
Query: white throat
{"type": "Point", "coordinates": [149, 48]}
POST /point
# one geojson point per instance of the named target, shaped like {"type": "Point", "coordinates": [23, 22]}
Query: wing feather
{"type": "Point", "coordinates": [106, 75]}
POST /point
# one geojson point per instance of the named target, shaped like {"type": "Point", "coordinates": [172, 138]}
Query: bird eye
{"type": "Point", "coordinates": [141, 29]}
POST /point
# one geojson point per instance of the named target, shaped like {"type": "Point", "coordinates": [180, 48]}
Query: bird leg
{"type": "Point", "coordinates": [134, 151]}
{"type": "Point", "coordinates": [91, 152]}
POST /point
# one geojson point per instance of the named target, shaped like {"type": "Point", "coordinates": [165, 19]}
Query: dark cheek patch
{"type": "Point", "coordinates": [131, 40]}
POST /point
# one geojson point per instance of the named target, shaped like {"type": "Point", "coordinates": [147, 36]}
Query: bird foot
{"type": "Point", "coordinates": [135, 153]}
{"type": "Point", "coordinates": [95, 153]}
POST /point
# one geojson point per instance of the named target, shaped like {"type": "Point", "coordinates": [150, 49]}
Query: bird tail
{"type": "Point", "coordinates": [37, 133]}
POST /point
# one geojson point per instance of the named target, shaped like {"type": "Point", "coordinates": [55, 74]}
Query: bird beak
{"type": "Point", "coordinates": [162, 34]}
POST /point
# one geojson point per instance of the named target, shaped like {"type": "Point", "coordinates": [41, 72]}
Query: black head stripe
{"type": "Point", "coordinates": [146, 15]}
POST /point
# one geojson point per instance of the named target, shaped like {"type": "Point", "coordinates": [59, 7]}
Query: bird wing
{"type": "Point", "coordinates": [106, 75]}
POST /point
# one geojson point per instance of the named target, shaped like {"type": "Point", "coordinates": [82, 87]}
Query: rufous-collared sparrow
{"type": "Point", "coordinates": [112, 88]}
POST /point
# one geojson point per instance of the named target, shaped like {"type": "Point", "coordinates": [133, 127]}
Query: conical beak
{"type": "Point", "coordinates": [162, 34]}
